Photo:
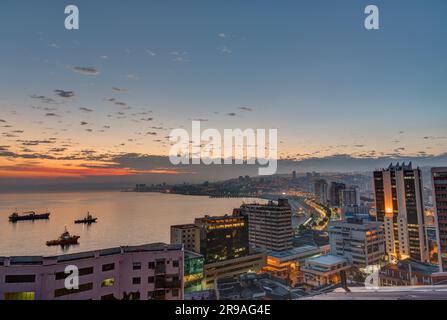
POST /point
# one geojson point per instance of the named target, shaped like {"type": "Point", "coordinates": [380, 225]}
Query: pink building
{"type": "Point", "coordinates": [153, 271]}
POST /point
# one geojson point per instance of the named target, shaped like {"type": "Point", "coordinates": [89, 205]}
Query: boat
{"type": "Point", "coordinates": [87, 220]}
{"type": "Point", "coordinates": [30, 215]}
{"type": "Point", "coordinates": [65, 239]}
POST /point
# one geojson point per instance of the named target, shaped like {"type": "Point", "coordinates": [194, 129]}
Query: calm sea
{"type": "Point", "coordinates": [123, 219]}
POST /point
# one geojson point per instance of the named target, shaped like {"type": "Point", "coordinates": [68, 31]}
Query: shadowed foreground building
{"type": "Point", "coordinates": [439, 180]}
{"type": "Point", "coordinates": [153, 271]}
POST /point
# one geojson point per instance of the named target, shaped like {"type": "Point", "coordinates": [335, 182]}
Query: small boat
{"type": "Point", "coordinates": [65, 239]}
{"type": "Point", "coordinates": [87, 220]}
{"type": "Point", "coordinates": [31, 215]}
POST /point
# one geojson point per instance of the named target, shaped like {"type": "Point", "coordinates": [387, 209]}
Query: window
{"type": "Point", "coordinates": [150, 279]}
{"type": "Point", "coordinates": [137, 266]}
{"type": "Point", "coordinates": [82, 272]}
{"type": "Point", "coordinates": [151, 265]}
{"type": "Point", "coordinates": [108, 267]}
{"type": "Point", "coordinates": [175, 263]}
{"type": "Point", "coordinates": [25, 278]}
{"type": "Point", "coordinates": [20, 296]}
{"type": "Point", "coordinates": [108, 283]}
{"type": "Point", "coordinates": [108, 297]}
{"type": "Point", "coordinates": [136, 280]}
{"type": "Point", "coordinates": [175, 292]}
{"type": "Point", "coordinates": [64, 291]}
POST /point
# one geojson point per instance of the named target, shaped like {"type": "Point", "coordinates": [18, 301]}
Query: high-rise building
{"type": "Point", "coordinates": [270, 225]}
{"type": "Point", "coordinates": [188, 235]}
{"type": "Point", "coordinates": [360, 242]}
{"type": "Point", "coordinates": [399, 205]}
{"type": "Point", "coordinates": [349, 197]}
{"type": "Point", "coordinates": [321, 190]}
{"type": "Point", "coordinates": [223, 237]}
{"type": "Point", "coordinates": [439, 180]}
{"type": "Point", "coordinates": [334, 193]}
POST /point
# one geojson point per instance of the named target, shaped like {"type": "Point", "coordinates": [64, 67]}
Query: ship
{"type": "Point", "coordinates": [65, 239]}
{"type": "Point", "coordinates": [30, 215]}
{"type": "Point", "coordinates": [87, 220]}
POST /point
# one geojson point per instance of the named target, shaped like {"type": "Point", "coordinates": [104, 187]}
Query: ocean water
{"type": "Point", "coordinates": [124, 218]}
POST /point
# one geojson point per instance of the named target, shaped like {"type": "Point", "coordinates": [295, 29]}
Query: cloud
{"type": "Point", "coordinates": [51, 114]}
{"type": "Point", "coordinates": [83, 123]}
{"type": "Point", "coordinates": [85, 109]}
{"type": "Point", "coordinates": [248, 109]}
{"type": "Point", "coordinates": [64, 94]}
{"type": "Point", "coordinates": [86, 71]}
{"type": "Point", "coordinates": [43, 99]}
{"type": "Point", "coordinates": [231, 114]}
{"type": "Point", "coordinates": [225, 50]}
{"type": "Point", "coordinates": [116, 89]}
{"type": "Point", "coordinates": [151, 53]}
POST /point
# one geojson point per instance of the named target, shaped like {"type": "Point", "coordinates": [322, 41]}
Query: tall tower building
{"type": "Point", "coordinates": [321, 190]}
{"type": "Point", "coordinates": [349, 197]}
{"type": "Point", "coordinates": [269, 225]}
{"type": "Point", "coordinates": [334, 193]}
{"type": "Point", "coordinates": [439, 180]}
{"type": "Point", "coordinates": [399, 205]}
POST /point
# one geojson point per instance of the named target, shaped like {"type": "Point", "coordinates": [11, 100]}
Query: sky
{"type": "Point", "coordinates": [96, 102]}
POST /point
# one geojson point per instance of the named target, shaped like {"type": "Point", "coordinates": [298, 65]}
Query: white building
{"type": "Point", "coordinates": [324, 270]}
{"type": "Point", "coordinates": [361, 242]}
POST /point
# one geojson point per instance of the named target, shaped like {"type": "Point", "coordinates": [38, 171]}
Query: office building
{"type": "Point", "coordinates": [324, 271]}
{"type": "Point", "coordinates": [153, 271]}
{"type": "Point", "coordinates": [349, 197]}
{"type": "Point", "coordinates": [321, 190]}
{"type": "Point", "coordinates": [439, 181]}
{"type": "Point", "coordinates": [361, 243]}
{"type": "Point", "coordinates": [188, 235]}
{"type": "Point", "coordinates": [399, 205]}
{"type": "Point", "coordinates": [252, 262]}
{"type": "Point", "coordinates": [270, 225]}
{"type": "Point", "coordinates": [335, 192]}
{"type": "Point", "coordinates": [193, 272]}
{"type": "Point", "coordinates": [222, 237]}
{"type": "Point", "coordinates": [408, 273]}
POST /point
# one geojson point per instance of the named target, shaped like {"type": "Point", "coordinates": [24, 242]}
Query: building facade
{"type": "Point", "coordinates": [324, 271]}
{"type": "Point", "coordinates": [399, 205]}
{"type": "Point", "coordinates": [269, 225]}
{"type": "Point", "coordinates": [153, 271]}
{"type": "Point", "coordinates": [193, 273]}
{"type": "Point", "coordinates": [321, 190]}
{"type": "Point", "coordinates": [223, 237]}
{"type": "Point", "coordinates": [439, 181]}
{"type": "Point", "coordinates": [360, 242]}
{"type": "Point", "coordinates": [188, 235]}
{"type": "Point", "coordinates": [335, 192]}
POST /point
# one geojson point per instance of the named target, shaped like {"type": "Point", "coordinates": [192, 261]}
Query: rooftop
{"type": "Point", "coordinates": [327, 260]}
{"type": "Point", "coordinates": [36, 260]}
{"type": "Point", "coordinates": [386, 293]}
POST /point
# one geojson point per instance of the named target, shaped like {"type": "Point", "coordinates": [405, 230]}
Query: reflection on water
{"type": "Point", "coordinates": [123, 219]}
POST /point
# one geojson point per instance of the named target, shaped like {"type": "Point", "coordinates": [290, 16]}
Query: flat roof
{"type": "Point", "coordinates": [292, 252]}
{"type": "Point", "coordinates": [30, 260]}
{"type": "Point", "coordinates": [385, 293]}
{"type": "Point", "coordinates": [327, 260]}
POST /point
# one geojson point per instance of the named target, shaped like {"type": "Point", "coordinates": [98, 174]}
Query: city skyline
{"type": "Point", "coordinates": [98, 103]}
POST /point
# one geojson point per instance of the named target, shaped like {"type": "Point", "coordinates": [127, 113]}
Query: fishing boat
{"type": "Point", "coordinates": [65, 239]}
{"type": "Point", "coordinates": [30, 215]}
{"type": "Point", "coordinates": [87, 220]}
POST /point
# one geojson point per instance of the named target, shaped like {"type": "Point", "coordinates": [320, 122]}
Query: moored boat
{"type": "Point", "coordinates": [31, 215]}
{"type": "Point", "coordinates": [65, 239]}
{"type": "Point", "coordinates": [87, 220]}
